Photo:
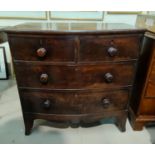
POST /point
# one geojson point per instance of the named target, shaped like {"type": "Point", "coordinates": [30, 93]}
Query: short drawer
{"type": "Point", "coordinates": [73, 102]}
{"type": "Point", "coordinates": [109, 48]}
{"type": "Point", "coordinates": [43, 49]}
{"type": "Point", "coordinates": [105, 76]}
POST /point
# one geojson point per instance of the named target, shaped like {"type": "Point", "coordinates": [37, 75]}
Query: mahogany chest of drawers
{"type": "Point", "coordinates": [72, 72]}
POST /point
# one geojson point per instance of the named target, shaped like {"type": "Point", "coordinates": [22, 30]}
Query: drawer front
{"type": "Point", "coordinates": [107, 76]}
{"type": "Point", "coordinates": [110, 48]}
{"type": "Point", "coordinates": [73, 102]}
{"type": "Point", "coordinates": [43, 49]}
{"type": "Point", "coordinates": [147, 106]}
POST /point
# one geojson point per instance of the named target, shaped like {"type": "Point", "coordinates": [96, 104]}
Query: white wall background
{"type": "Point", "coordinates": [106, 17]}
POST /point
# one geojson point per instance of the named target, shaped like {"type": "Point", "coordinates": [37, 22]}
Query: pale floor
{"type": "Point", "coordinates": [12, 127]}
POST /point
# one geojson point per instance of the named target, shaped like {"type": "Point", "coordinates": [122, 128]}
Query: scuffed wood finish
{"type": "Point", "coordinates": [73, 28]}
{"type": "Point", "coordinates": [80, 119]}
{"type": "Point", "coordinates": [59, 49]}
{"type": "Point", "coordinates": [73, 102]}
{"type": "Point", "coordinates": [63, 48]}
{"type": "Point", "coordinates": [75, 72]}
{"type": "Point", "coordinates": [142, 107]}
{"type": "Point", "coordinates": [75, 77]}
{"type": "Point", "coordinates": [102, 44]}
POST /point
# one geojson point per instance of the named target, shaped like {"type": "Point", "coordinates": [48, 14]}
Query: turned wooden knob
{"type": "Point", "coordinates": [41, 52]}
{"type": "Point", "coordinates": [112, 51]}
{"type": "Point", "coordinates": [44, 78]}
{"type": "Point", "coordinates": [108, 77]}
{"type": "Point", "coordinates": [46, 104]}
{"type": "Point", "coordinates": [105, 102]}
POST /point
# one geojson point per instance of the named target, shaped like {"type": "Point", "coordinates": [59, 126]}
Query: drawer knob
{"type": "Point", "coordinates": [44, 78]}
{"type": "Point", "coordinates": [108, 77]}
{"type": "Point", "coordinates": [112, 51]}
{"type": "Point", "coordinates": [47, 104]}
{"type": "Point", "coordinates": [41, 52]}
{"type": "Point", "coordinates": [105, 102]}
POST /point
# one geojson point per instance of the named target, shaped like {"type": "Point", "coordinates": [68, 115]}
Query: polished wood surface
{"type": "Point", "coordinates": [73, 27]}
{"type": "Point", "coordinates": [64, 48]}
{"type": "Point", "coordinates": [75, 77]}
{"type": "Point", "coordinates": [73, 102]}
{"type": "Point", "coordinates": [75, 72]}
{"type": "Point", "coordinates": [105, 46]}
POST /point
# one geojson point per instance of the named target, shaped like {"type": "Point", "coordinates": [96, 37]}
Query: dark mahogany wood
{"type": "Point", "coordinates": [76, 73]}
{"type": "Point", "coordinates": [28, 121]}
{"type": "Point", "coordinates": [109, 48]}
{"type": "Point", "coordinates": [80, 119]}
{"type": "Point", "coordinates": [73, 102]}
{"type": "Point", "coordinates": [105, 76]}
{"type": "Point", "coordinates": [56, 48]}
{"type": "Point", "coordinates": [74, 28]}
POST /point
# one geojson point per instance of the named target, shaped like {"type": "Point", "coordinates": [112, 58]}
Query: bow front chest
{"type": "Point", "coordinates": [74, 73]}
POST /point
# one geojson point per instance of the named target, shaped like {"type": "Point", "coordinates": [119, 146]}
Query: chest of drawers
{"type": "Point", "coordinates": [66, 72]}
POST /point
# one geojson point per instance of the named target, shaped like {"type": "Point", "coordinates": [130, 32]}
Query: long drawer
{"type": "Point", "coordinates": [73, 102]}
{"type": "Point", "coordinates": [105, 76]}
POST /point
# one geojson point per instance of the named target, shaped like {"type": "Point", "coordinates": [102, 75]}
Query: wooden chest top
{"type": "Point", "coordinates": [74, 28]}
